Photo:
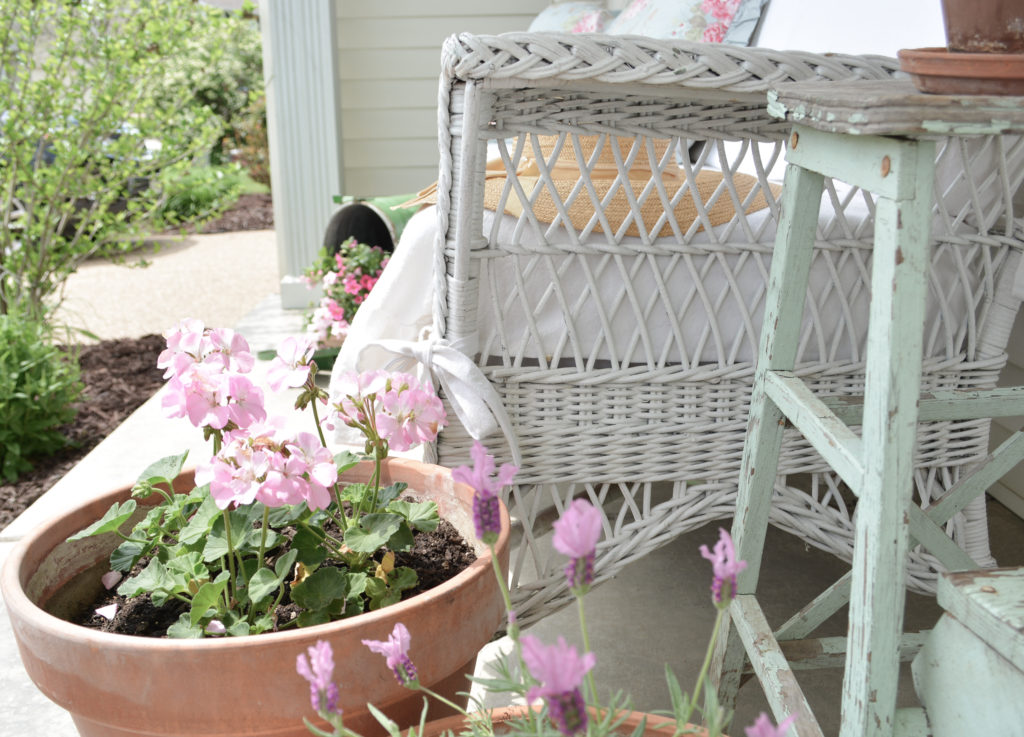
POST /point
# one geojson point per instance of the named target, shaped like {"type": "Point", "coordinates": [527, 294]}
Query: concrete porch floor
{"type": "Point", "coordinates": [655, 612]}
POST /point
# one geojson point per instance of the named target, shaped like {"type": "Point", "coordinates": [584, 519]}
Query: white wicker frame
{"type": "Point", "coordinates": [651, 429]}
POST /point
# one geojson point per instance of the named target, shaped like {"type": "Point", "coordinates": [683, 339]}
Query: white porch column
{"type": "Point", "coordinates": [304, 130]}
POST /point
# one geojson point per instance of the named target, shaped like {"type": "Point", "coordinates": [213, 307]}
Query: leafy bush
{"type": "Point", "coordinates": [38, 384]}
{"type": "Point", "coordinates": [202, 193]}
{"type": "Point", "coordinates": [84, 134]}
{"type": "Point", "coordinates": [221, 63]}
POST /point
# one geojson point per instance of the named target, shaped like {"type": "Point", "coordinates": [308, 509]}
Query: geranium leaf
{"type": "Point", "coordinates": [116, 516]}
{"type": "Point", "coordinates": [164, 470]}
{"type": "Point", "coordinates": [262, 584]}
{"type": "Point", "coordinates": [308, 546]}
{"type": "Point", "coordinates": [390, 493]}
{"type": "Point", "coordinates": [207, 596]}
{"type": "Point", "coordinates": [199, 526]}
{"type": "Point", "coordinates": [373, 531]}
{"type": "Point", "coordinates": [422, 516]}
{"type": "Point", "coordinates": [184, 629]}
{"type": "Point", "coordinates": [127, 554]}
{"type": "Point", "coordinates": [345, 460]}
{"type": "Point", "coordinates": [323, 588]}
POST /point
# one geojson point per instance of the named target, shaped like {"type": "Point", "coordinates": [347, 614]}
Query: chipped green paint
{"type": "Point", "coordinates": [776, 109]}
{"type": "Point", "coordinates": [966, 129]}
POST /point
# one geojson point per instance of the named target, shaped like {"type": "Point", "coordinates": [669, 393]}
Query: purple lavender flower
{"type": "Point", "coordinates": [396, 650]}
{"type": "Point", "coordinates": [560, 670]}
{"type": "Point", "coordinates": [486, 508]}
{"type": "Point", "coordinates": [319, 670]}
{"type": "Point", "coordinates": [725, 567]}
{"type": "Point", "coordinates": [576, 535]}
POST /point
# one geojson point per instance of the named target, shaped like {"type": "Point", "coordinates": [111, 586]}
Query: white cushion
{"type": "Point", "coordinates": [851, 27]}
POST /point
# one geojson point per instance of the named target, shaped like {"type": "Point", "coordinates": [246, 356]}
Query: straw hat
{"type": "Point", "coordinates": [566, 178]}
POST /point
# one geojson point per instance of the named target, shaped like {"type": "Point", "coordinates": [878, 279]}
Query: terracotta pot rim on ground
{"type": "Point", "coordinates": [54, 650]}
{"type": "Point", "coordinates": [657, 724]}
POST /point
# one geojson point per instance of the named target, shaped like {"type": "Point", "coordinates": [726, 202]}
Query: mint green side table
{"type": "Point", "coordinates": [877, 135]}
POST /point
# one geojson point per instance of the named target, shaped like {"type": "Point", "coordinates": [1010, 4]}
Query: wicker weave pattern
{"type": "Point", "coordinates": [625, 363]}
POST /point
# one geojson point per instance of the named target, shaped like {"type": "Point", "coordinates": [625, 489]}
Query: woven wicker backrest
{"type": "Point", "coordinates": [623, 349]}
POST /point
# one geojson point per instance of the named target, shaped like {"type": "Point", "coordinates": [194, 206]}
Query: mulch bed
{"type": "Point", "coordinates": [119, 376]}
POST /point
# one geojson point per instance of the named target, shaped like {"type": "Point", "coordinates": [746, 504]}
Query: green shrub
{"type": "Point", "coordinates": [221, 64]}
{"type": "Point", "coordinates": [87, 129]}
{"type": "Point", "coordinates": [38, 384]}
{"type": "Point", "coordinates": [202, 193]}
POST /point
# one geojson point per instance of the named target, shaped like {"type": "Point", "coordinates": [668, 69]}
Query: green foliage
{"type": "Point", "coordinates": [201, 193]}
{"type": "Point", "coordinates": [38, 384]}
{"type": "Point", "coordinates": [221, 63]}
{"type": "Point", "coordinates": [253, 148]}
{"type": "Point", "coordinates": [89, 129]}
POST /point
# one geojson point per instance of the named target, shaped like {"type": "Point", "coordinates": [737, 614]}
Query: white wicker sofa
{"type": "Point", "coordinates": [623, 362]}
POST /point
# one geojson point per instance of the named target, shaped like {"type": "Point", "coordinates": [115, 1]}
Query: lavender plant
{"type": "Point", "coordinates": [558, 676]}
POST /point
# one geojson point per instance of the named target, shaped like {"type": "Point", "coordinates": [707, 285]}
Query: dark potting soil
{"type": "Point", "coordinates": [436, 557]}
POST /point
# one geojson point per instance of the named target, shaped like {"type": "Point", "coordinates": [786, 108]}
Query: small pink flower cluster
{"type": "Point", "coordinates": [393, 406]}
{"type": "Point", "coordinates": [256, 461]}
{"type": "Point", "coordinates": [205, 369]}
{"type": "Point", "coordinates": [347, 279]}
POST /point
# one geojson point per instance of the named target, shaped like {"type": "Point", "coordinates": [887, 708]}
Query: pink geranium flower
{"type": "Point", "coordinates": [290, 367]}
{"type": "Point", "coordinates": [396, 651]}
{"type": "Point", "coordinates": [199, 392]}
{"type": "Point", "coordinates": [409, 415]}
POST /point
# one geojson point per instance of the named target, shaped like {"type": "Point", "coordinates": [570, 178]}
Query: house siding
{"type": "Point", "coordinates": [388, 60]}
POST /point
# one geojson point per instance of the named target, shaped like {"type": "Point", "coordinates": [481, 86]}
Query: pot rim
{"type": "Point", "coordinates": [17, 601]}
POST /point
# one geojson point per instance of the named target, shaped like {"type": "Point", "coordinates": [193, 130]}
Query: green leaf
{"type": "Point", "coordinates": [283, 565]}
{"type": "Point", "coordinates": [164, 470]}
{"type": "Point", "coordinates": [390, 493]}
{"type": "Point", "coordinates": [263, 623]}
{"type": "Point", "coordinates": [309, 548]}
{"type": "Point", "coordinates": [188, 566]}
{"type": "Point", "coordinates": [239, 629]}
{"type": "Point", "coordinates": [373, 531]}
{"type": "Point", "coordinates": [154, 577]}
{"type": "Point", "coordinates": [262, 584]}
{"type": "Point", "coordinates": [385, 721]}
{"type": "Point", "coordinates": [116, 516]}
{"type": "Point", "coordinates": [401, 540]}
{"type": "Point", "coordinates": [184, 629]}
{"type": "Point", "coordinates": [207, 597]}
{"type": "Point", "coordinates": [127, 554]}
{"type": "Point", "coordinates": [199, 526]}
{"type": "Point", "coordinates": [345, 460]}
{"type": "Point", "coordinates": [422, 516]}
{"type": "Point", "coordinates": [325, 587]}
{"type": "Point", "coordinates": [287, 515]}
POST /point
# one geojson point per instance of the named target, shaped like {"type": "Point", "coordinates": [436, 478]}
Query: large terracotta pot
{"type": "Point", "coordinates": [119, 685]}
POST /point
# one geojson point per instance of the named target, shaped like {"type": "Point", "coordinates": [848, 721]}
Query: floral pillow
{"type": "Point", "coordinates": [690, 20]}
{"type": "Point", "coordinates": [573, 17]}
